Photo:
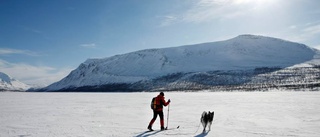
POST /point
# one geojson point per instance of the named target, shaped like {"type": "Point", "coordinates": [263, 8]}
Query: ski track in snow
{"type": "Point", "coordinates": [237, 114]}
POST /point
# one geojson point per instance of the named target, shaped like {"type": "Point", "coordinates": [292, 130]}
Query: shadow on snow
{"type": "Point", "coordinates": [148, 133]}
{"type": "Point", "coordinates": [203, 134]}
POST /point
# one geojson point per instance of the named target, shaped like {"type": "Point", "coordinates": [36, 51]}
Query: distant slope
{"type": "Point", "coordinates": [9, 84]}
{"type": "Point", "coordinates": [146, 68]}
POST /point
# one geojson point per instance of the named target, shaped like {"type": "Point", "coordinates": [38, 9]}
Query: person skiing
{"type": "Point", "coordinates": [158, 103]}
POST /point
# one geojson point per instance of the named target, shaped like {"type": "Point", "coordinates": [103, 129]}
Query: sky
{"type": "Point", "coordinates": [42, 41]}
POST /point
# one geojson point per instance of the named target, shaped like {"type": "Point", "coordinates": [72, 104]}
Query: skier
{"type": "Point", "coordinates": [158, 102]}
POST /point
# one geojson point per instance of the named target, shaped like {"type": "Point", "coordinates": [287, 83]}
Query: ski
{"type": "Point", "coordinates": [164, 129]}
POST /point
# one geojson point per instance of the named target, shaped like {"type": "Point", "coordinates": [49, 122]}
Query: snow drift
{"type": "Point", "coordinates": [245, 52]}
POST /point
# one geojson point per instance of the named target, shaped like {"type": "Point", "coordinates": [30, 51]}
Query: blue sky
{"type": "Point", "coordinates": [41, 41]}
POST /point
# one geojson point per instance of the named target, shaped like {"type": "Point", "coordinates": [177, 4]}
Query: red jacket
{"type": "Point", "coordinates": [160, 103]}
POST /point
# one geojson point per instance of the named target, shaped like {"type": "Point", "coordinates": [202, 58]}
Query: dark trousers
{"type": "Point", "coordinates": [155, 114]}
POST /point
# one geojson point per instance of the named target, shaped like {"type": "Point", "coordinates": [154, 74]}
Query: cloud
{"type": "Point", "coordinates": [168, 20]}
{"type": "Point", "coordinates": [7, 51]}
{"type": "Point", "coordinates": [314, 29]}
{"type": "Point", "coordinates": [212, 10]}
{"type": "Point", "coordinates": [317, 47]}
{"type": "Point", "coordinates": [305, 32]}
{"type": "Point", "coordinates": [33, 75]}
{"type": "Point", "coordinates": [33, 30]}
{"type": "Point", "coordinates": [91, 45]}
{"type": "Point", "coordinates": [293, 27]}
{"type": "Point", "coordinates": [206, 10]}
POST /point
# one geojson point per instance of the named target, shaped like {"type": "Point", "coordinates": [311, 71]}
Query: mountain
{"type": "Point", "coordinates": [9, 84]}
{"type": "Point", "coordinates": [231, 62]}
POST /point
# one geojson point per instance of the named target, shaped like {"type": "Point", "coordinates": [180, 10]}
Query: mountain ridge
{"type": "Point", "coordinates": [9, 84]}
{"type": "Point", "coordinates": [244, 52]}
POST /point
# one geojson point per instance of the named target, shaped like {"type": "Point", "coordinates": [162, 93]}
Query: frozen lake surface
{"type": "Point", "coordinates": [237, 114]}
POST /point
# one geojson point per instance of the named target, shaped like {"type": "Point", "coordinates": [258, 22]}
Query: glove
{"type": "Point", "coordinates": [169, 101]}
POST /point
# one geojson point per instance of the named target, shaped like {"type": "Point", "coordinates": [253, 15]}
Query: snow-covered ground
{"type": "Point", "coordinates": [237, 114]}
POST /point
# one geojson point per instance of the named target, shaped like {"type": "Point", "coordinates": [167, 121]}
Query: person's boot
{"type": "Point", "coordinates": [162, 128]}
{"type": "Point", "coordinates": [162, 124]}
{"type": "Point", "coordinates": [150, 124]}
{"type": "Point", "coordinates": [150, 128]}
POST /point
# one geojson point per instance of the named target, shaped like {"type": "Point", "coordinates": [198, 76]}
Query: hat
{"type": "Point", "coordinates": [161, 93]}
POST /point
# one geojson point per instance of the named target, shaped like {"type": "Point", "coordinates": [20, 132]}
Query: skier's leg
{"type": "Point", "coordinates": [152, 120]}
{"type": "Point", "coordinates": [161, 120]}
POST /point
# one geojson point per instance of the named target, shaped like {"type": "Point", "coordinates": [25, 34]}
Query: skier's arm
{"type": "Point", "coordinates": [166, 103]}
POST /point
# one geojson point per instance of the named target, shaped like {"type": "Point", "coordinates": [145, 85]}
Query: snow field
{"type": "Point", "coordinates": [237, 114]}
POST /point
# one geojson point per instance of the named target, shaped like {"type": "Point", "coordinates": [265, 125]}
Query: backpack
{"type": "Point", "coordinates": [153, 103]}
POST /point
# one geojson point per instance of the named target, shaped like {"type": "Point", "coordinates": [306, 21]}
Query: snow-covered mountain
{"type": "Point", "coordinates": [146, 67]}
{"type": "Point", "coordinates": [9, 84]}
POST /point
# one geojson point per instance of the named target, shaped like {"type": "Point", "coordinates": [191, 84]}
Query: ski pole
{"type": "Point", "coordinates": [168, 116]}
